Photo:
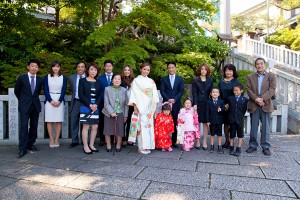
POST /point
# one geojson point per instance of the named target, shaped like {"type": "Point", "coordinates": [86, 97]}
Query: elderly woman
{"type": "Point", "coordinates": [115, 112]}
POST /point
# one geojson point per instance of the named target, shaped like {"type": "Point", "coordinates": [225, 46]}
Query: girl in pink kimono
{"type": "Point", "coordinates": [188, 119]}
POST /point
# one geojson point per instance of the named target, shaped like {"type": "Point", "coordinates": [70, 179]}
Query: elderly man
{"type": "Point", "coordinates": [261, 87]}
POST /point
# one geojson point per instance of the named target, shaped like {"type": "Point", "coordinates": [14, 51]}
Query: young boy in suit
{"type": "Point", "coordinates": [214, 107]}
{"type": "Point", "coordinates": [237, 109]}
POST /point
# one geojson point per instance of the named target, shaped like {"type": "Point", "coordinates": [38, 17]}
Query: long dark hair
{"type": "Point", "coordinates": [126, 79]}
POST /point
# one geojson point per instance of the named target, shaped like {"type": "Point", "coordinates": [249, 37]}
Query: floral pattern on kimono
{"type": "Point", "coordinates": [163, 126]}
{"type": "Point", "coordinates": [189, 118]}
{"type": "Point", "coordinates": [144, 96]}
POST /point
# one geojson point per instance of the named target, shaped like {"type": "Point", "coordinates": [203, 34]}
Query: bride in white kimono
{"type": "Point", "coordinates": [144, 98]}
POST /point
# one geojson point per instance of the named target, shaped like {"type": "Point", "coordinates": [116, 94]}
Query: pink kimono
{"type": "Point", "coordinates": [189, 118]}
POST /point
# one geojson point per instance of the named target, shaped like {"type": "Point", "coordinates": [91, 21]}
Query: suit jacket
{"type": "Point", "coordinates": [84, 92]}
{"type": "Point", "coordinates": [212, 114]}
{"type": "Point", "coordinates": [24, 94]}
{"type": "Point", "coordinates": [167, 92]}
{"type": "Point", "coordinates": [72, 81]}
{"type": "Point", "coordinates": [237, 109]}
{"type": "Point", "coordinates": [62, 93]}
{"type": "Point", "coordinates": [110, 100]}
{"type": "Point", "coordinates": [267, 91]}
{"type": "Point", "coordinates": [201, 90]}
{"type": "Point", "coordinates": [103, 84]}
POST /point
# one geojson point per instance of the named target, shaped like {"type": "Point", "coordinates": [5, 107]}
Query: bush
{"type": "Point", "coordinates": [243, 77]}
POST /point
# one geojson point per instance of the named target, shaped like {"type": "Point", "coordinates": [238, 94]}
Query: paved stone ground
{"type": "Point", "coordinates": [65, 173]}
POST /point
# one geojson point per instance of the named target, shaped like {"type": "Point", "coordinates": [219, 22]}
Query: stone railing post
{"type": "Point", "coordinates": [13, 116]}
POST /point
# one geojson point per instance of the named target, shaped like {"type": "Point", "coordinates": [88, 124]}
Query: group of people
{"type": "Point", "coordinates": [123, 109]}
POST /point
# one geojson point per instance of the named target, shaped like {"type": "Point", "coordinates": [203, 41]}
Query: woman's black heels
{"type": "Point", "coordinates": [118, 150]}
{"type": "Point", "coordinates": [91, 152]}
{"type": "Point", "coordinates": [108, 150]}
{"type": "Point", "coordinates": [96, 150]}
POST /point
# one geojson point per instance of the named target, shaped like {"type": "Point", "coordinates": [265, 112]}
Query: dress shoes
{"type": "Point", "coordinates": [94, 150]}
{"type": "Point", "coordinates": [118, 150]}
{"type": "Point", "coordinates": [251, 149]}
{"type": "Point", "coordinates": [109, 150]}
{"type": "Point", "coordinates": [266, 151]}
{"type": "Point", "coordinates": [21, 154]}
{"type": "Point", "coordinates": [73, 144]}
{"type": "Point", "coordinates": [91, 152]}
{"type": "Point", "coordinates": [32, 148]}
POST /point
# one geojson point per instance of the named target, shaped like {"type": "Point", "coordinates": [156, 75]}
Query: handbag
{"type": "Point", "coordinates": [87, 113]}
{"type": "Point", "coordinates": [134, 124]}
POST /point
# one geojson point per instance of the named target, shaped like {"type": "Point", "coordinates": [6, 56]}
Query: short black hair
{"type": "Point", "coordinates": [171, 63]}
{"type": "Point", "coordinates": [34, 61]}
{"type": "Point", "coordinates": [239, 86]}
{"type": "Point", "coordinates": [257, 59]}
{"type": "Point", "coordinates": [214, 88]}
{"type": "Point", "coordinates": [108, 61]}
{"type": "Point", "coordinates": [79, 63]}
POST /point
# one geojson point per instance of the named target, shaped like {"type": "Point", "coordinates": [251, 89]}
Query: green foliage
{"type": "Point", "coordinates": [156, 31]}
{"type": "Point", "coordinates": [288, 37]}
{"type": "Point", "coordinates": [243, 77]}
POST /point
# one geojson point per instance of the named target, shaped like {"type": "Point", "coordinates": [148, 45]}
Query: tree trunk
{"type": "Point", "coordinates": [102, 11]}
{"type": "Point", "coordinates": [57, 11]}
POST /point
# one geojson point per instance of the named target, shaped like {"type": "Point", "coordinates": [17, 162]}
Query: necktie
{"type": "Point", "coordinates": [237, 98]}
{"type": "Point", "coordinates": [172, 81]}
{"type": "Point", "coordinates": [215, 102]}
{"type": "Point", "coordinates": [80, 76]}
{"type": "Point", "coordinates": [32, 85]}
{"type": "Point", "coordinates": [108, 79]}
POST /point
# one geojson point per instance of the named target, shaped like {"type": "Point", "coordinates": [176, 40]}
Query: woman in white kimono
{"type": "Point", "coordinates": [144, 98]}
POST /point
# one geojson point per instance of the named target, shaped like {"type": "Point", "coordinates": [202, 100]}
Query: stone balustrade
{"type": "Point", "coordinates": [278, 54]}
{"type": "Point", "coordinates": [9, 119]}
{"type": "Point", "coordinates": [287, 91]}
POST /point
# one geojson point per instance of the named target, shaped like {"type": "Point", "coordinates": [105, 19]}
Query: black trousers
{"type": "Point", "coordinates": [28, 137]}
{"type": "Point", "coordinates": [174, 113]}
{"type": "Point", "coordinates": [215, 129]}
{"type": "Point", "coordinates": [236, 129]}
{"type": "Point", "coordinates": [127, 123]}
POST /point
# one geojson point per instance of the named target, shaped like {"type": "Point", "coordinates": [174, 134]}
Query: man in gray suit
{"type": "Point", "coordinates": [75, 102]}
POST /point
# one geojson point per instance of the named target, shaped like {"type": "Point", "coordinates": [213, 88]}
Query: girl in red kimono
{"type": "Point", "coordinates": [163, 127]}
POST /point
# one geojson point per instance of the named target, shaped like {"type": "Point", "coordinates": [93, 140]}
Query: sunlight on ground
{"type": "Point", "coordinates": [168, 196]}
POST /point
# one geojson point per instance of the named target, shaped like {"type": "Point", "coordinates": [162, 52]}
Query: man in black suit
{"type": "Point", "coordinates": [27, 90]}
{"type": "Point", "coordinates": [75, 102]}
{"type": "Point", "coordinates": [171, 89]}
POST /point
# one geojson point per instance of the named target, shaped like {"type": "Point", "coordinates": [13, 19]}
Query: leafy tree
{"type": "Point", "coordinates": [287, 4]}
{"type": "Point", "coordinates": [288, 37]}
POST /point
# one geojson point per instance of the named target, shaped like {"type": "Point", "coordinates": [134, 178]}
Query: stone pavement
{"type": "Point", "coordinates": [65, 173]}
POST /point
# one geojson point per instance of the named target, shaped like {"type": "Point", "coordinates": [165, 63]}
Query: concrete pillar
{"type": "Point", "coordinates": [13, 117]}
{"type": "Point", "coordinates": [225, 16]}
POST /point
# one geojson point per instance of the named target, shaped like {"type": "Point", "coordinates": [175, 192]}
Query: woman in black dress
{"type": "Point", "coordinates": [89, 95]}
{"type": "Point", "coordinates": [226, 90]}
{"type": "Point", "coordinates": [201, 88]}
{"type": "Point", "coordinates": [127, 78]}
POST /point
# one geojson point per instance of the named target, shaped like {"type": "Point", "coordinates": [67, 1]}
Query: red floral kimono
{"type": "Point", "coordinates": [163, 126]}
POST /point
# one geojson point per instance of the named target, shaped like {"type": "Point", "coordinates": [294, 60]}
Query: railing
{"type": "Point", "coordinates": [9, 128]}
{"type": "Point", "coordinates": [287, 90]}
{"type": "Point", "coordinates": [278, 54]}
